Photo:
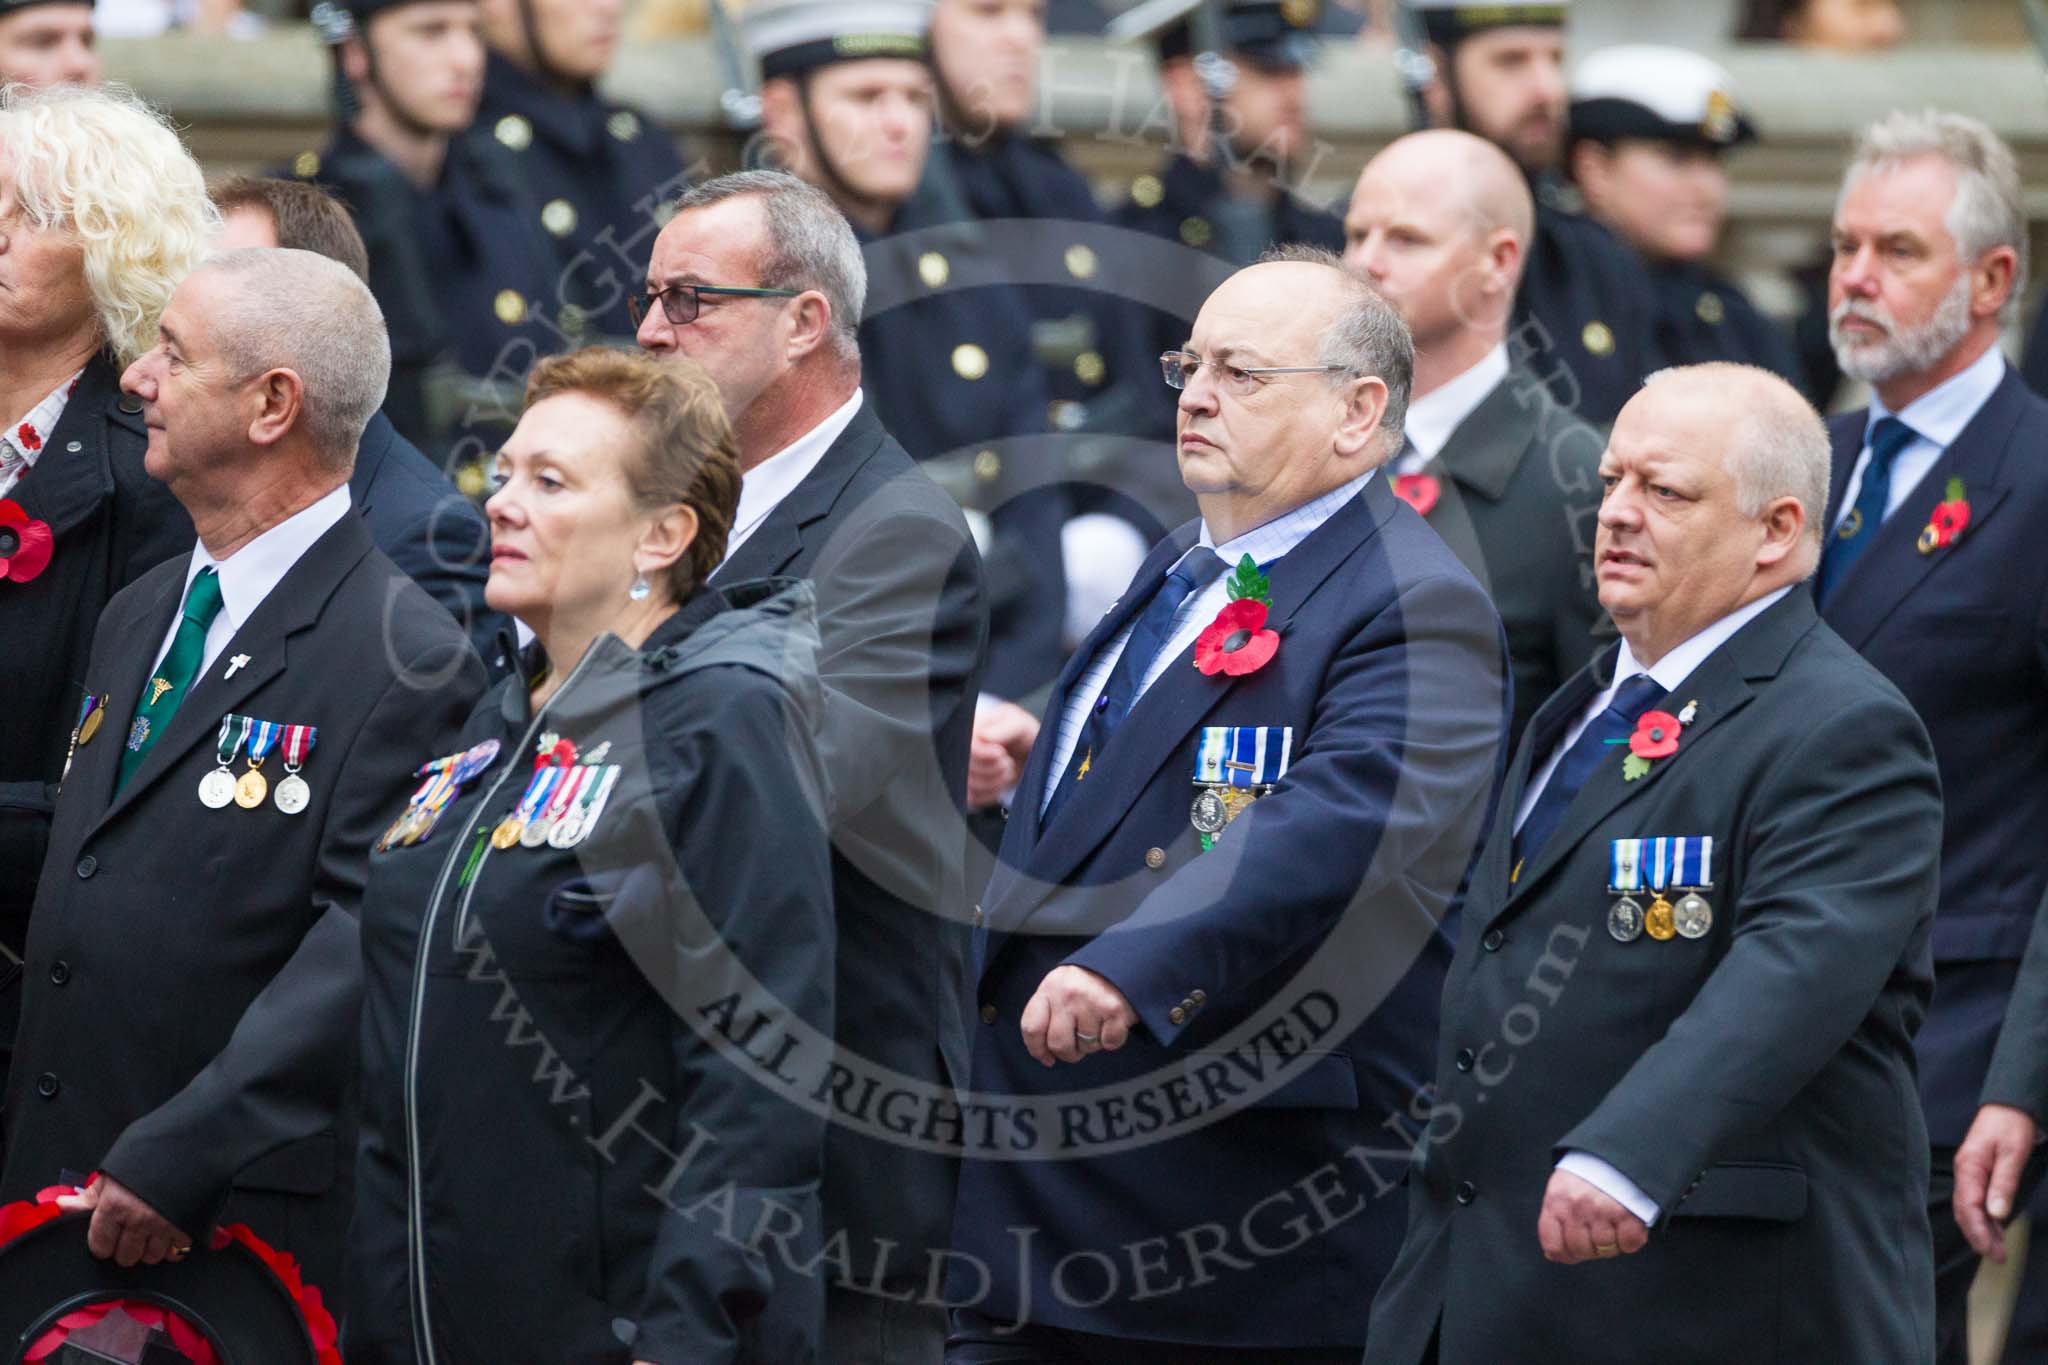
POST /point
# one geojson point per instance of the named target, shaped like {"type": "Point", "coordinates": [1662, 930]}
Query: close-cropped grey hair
{"type": "Point", "coordinates": [298, 311]}
{"type": "Point", "coordinates": [1987, 210]}
{"type": "Point", "coordinates": [1781, 447]}
{"type": "Point", "coordinates": [1366, 337]}
{"type": "Point", "coordinates": [810, 244]}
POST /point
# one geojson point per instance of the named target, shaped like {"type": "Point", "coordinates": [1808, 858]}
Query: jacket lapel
{"type": "Point", "coordinates": [370, 453]}
{"type": "Point", "coordinates": [1175, 704]}
{"type": "Point", "coordinates": [1893, 566]}
{"type": "Point", "coordinates": [1486, 449]}
{"type": "Point", "coordinates": [779, 539]}
{"type": "Point", "coordinates": [294, 605]}
{"type": "Point", "coordinates": [67, 486]}
{"type": "Point", "coordinates": [1717, 689]}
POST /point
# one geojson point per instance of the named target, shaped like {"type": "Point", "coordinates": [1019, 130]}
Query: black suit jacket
{"type": "Point", "coordinates": [1519, 496]}
{"type": "Point", "coordinates": [193, 976]}
{"type": "Point", "coordinates": [901, 616]}
{"type": "Point", "coordinates": [1963, 632]}
{"type": "Point", "coordinates": [112, 523]}
{"type": "Point", "coordinates": [1757, 1082]}
{"type": "Point", "coordinates": [427, 528]}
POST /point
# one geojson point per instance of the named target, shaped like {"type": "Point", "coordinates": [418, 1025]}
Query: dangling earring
{"type": "Point", "coordinates": [641, 587]}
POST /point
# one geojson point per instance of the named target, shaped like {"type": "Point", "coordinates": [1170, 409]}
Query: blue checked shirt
{"type": "Point", "coordinates": [1264, 544]}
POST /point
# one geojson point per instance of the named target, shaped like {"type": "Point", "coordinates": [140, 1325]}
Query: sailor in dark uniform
{"type": "Point", "coordinates": [945, 338]}
{"type": "Point", "coordinates": [1232, 197]}
{"type": "Point", "coordinates": [1099, 369]}
{"type": "Point", "coordinates": [464, 277]}
{"type": "Point", "coordinates": [1583, 320]}
{"type": "Point", "coordinates": [1649, 128]}
{"type": "Point", "coordinates": [602, 173]}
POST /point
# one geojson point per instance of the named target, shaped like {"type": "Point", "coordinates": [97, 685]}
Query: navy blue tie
{"type": "Point", "coordinates": [1618, 721]}
{"type": "Point", "coordinates": [1888, 436]}
{"type": "Point", "coordinates": [1196, 571]}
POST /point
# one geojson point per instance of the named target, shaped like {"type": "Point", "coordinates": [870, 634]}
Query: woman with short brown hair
{"type": "Point", "coordinates": [631, 833]}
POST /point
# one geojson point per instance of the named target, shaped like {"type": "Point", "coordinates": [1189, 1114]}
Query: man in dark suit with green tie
{"type": "Point", "coordinates": [1677, 1034]}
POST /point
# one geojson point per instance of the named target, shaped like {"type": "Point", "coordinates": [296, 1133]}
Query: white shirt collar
{"type": "Point", "coordinates": [1268, 542]}
{"type": "Point", "coordinates": [1436, 414]}
{"type": "Point", "coordinates": [21, 444]}
{"type": "Point", "coordinates": [1943, 411]}
{"type": "Point", "coordinates": [249, 574]}
{"type": "Point", "coordinates": [763, 487]}
{"type": "Point", "coordinates": [1678, 664]}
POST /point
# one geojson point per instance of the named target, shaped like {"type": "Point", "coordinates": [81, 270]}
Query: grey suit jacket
{"type": "Point", "coordinates": [1757, 1082]}
{"type": "Point", "coordinates": [1519, 491]}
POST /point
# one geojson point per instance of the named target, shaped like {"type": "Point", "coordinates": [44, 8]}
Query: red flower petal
{"type": "Point", "coordinates": [11, 513]}
{"type": "Point", "coordinates": [32, 555]}
{"type": "Point", "coordinates": [1419, 491]}
{"type": "Point", "coordinates": [1656, 735]}
{"type": "Point", "coordinates": [319, 1322]}
{"type": "Point", "coordinates": [16, 1219]}
{"type": "Point", "coordinates": [30, 438]}
{"type": "Point", "coordinates": [1948, 521]}
{"type": "Point", "coordinates": [1254, 655]}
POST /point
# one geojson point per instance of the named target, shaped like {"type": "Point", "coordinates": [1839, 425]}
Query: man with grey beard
{"type": "Point", "coordinates": [1933, 571]}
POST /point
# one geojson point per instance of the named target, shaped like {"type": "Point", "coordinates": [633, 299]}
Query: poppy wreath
{"type": "Point", "coordinates": [1237, 641]}
{"type": "Point", "coordinates": [22, 1217]}
{"type": "Point", "coordinates": [25, 543]}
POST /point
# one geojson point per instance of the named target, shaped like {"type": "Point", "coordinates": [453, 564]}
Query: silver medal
{"type": "Point", "coordinates": [567, 832]}
{"type": "Point", "coordinates": [1625, 920]}
{"type": "Point", "coordinates": [1209, 814]}
{"type": "Point", "coordinates": [536, 832]}
{"type": "Point", "coordinates": [1693, 916]}
{"type": "Point", "coordinates": [217, 789]}
{"type": "Point", "coordinates": [292, 794]}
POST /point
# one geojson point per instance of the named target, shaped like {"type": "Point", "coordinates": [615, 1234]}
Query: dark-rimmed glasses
{"type": "Point", "coordinates": [680, 303]}
{"type": "Point", "coordinates": [1179, 369]}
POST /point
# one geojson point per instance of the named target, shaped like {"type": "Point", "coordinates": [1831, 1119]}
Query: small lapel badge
{"type": "Point", "coordinates": [235, 665]}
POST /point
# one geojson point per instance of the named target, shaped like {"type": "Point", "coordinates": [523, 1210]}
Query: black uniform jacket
{"type": "Point", "coordinates": [193, 976]}
{"type": "Point", "coordinates": [1755, 1081]}
{"type": "Point", "coordinates": [558, 1042]}
{"type": "Point", "coordinates": [111, 522]}
{"type": "Point", "coordinates": [1518, 498]}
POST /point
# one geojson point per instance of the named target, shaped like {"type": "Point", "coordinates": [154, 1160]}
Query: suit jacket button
{"type": "Point", "coordinates": [46, 1085]}
{"type": "Point", "coordinates": [1155, 858]}
{"type": "Point", "coordinates": [988, 1014]}
{"type": "Point", "coordinates": [1465, 1058]}
{"type": "Point", "coordinates": [60, 972]}
{"type": "Point", "coordinates": [1176, 1015]}
{"type": "Point", "coordinates": [87, 866]}
{"type": "Point", "coordinates": [1494, 938]}
{"type": "Point", "coordinates": [1467, 1192]}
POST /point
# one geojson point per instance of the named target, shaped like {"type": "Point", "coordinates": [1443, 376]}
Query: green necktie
{"type": "Point", "coordinates": [167, 687]}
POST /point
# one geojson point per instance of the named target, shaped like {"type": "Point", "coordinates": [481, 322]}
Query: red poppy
{"type": "Point", "coordinates": [1656, 735]}
{"type": "Point", "coordinates": [1236, 642]}
{"type": "Point", "coordinates": [25, 543]}
{"type": "Point", "coordinates": [1419, 491]}
{"type": "Point", "coordinates": [562, 755]}
{"type": "Point", "coordinates": [1948, 521]}
{"type": "Point", "coordinates": [30, 438]}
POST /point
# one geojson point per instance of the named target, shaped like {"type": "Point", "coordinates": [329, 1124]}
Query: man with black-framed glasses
{"type": "Point", "coordinates": [1261, 781]}
{"type": "Point", "coordinates": [760, 280]}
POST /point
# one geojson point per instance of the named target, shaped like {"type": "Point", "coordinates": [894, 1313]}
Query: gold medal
{"type": "Point", "coordinates": [507, 833]}
{"type": "Point", "coordinates": [91, 726]}
{"type": "Point", "coordinates": [1657, 920]}
{"type": "Point", "coordinates": [250, 790]}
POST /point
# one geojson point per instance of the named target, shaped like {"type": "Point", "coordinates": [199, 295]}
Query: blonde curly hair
{"type": "Point", "coordinates": [107, 167]}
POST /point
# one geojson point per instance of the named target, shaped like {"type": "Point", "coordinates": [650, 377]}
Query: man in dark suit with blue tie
{"type": "Point", "coordinates": [1677, 1036]}
{"type": "Point", "coordinates": [1934, 572]}
{"type": "Point", "coordinates": [1208, 962]}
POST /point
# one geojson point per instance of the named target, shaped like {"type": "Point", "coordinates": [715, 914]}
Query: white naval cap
{"type": "Point", "coordinates": [788, 36]}
{"type": "Point", "coordinates": [1664, 94]}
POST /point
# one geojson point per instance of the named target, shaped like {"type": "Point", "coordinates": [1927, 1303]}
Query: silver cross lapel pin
{"type": "Point", "coordinates": [235, 664]}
